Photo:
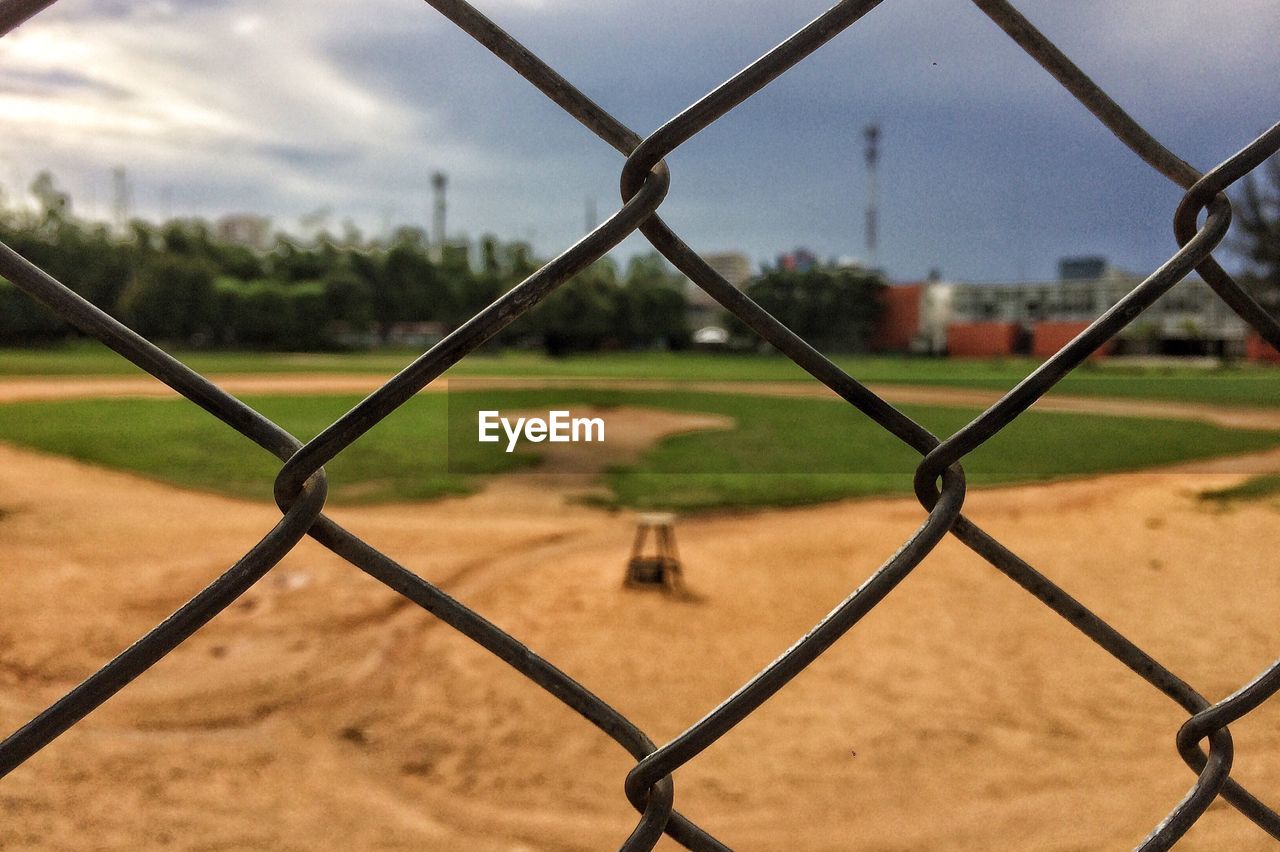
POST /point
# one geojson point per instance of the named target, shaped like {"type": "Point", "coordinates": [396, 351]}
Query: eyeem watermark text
{"type": "Point", "coordinates": [559, 427]}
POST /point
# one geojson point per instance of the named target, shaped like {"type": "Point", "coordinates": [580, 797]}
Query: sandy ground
{"type": "Point", "coordinates": [323, 711]}
{"type": "Point", "coordinates": [960, 715]}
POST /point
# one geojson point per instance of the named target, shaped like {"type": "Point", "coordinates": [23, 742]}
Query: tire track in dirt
{"type": "Point", "coordinates": [958, 667]}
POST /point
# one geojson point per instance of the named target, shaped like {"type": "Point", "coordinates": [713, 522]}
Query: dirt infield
{"type": "Point", "coordinates": [322, 710]}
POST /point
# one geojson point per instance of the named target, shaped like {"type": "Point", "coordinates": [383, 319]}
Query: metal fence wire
{"type": "Point", "coordinates": [1204, 741]}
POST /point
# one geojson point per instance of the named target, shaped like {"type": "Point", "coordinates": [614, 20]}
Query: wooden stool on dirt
{"type": "Point", "coordinates": [661, 569]}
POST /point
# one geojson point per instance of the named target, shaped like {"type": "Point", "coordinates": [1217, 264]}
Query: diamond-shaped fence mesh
{"type": "Point", "coordinates": [1204, 741]}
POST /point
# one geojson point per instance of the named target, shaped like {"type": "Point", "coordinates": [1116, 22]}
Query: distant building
{"type": "Point", "coordinates": [915, 318]}
{"type": "Point", "coordinates": [800, 260]}
{"type": "Point", "coordinates": [704, 311]}
{"type": "Point", "coordinates": [245, 229]}
{"type": "Point", "coordinates": [1091, 267]}
{"type": "Point", "coordinates": [899, 322]}
{"type": "Point", "coordinates": [732, 266]}
{"type": "Point", "coordinates": [979, 319]}
{"type": "Point", "coordinates": [711, 337]}
{"type": "Point", "coordinates": [935, 317]}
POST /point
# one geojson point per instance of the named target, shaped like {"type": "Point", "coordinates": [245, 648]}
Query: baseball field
{"type": "Point", "coordinates": [321, 708]}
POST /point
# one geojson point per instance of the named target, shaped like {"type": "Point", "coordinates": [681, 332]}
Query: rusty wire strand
{"type": "Point", "coordinates": [301, 486]}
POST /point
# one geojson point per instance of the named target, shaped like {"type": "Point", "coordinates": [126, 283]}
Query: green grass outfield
{"type": "Point", "coordinates": [1242, 385]}
{"type": "Point", "coordinates": [772, 456]}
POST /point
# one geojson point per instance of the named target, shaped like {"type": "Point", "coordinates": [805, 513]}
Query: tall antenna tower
{"type": "Point", "coordinates": [439, 181]}
{"type": "Point", "coordinates": [591, 219]}
{"type": "Point", "coordinates": [872, 135]}
{"type": "Point", "coordinates": [120, 198]}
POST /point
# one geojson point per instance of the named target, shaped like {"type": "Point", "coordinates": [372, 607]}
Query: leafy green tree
{"type": "Point", "coordinates": [240, 261]}
{"type": "Point", "coordinates": [265, 317]}
{"type": "Point", "coordinates": [54, 203]}
{"type": "Point", "coordinates": [518, 262]}
{"type": "Point", "coordinates": [347, 298]}
{"type": "Point", "coordinates": [308, 310]}
{"type": "Point", "coordinates": [87, 260]}
{"type": "Point", "coordinates": [386, 300]}
{"type": "Point", "coordinates": [270, 314]}
{"type": "Point", "coordinates": [161, 278]}
{"type": "Point", "coordinates": [96, 265]}
{"type": "Point", "coordinates": [652, 307]}
{"type": "Point", "coordinates": [422, 292]}
{"type": "Point", "coordinates": [834, 308]}
{"type": "Point", "coordinates": [1258, 223]}
{"type": "Point", "coordinates": [24, 320]}
{"type": "Point", "coordinates": [293, 262]}
{"type": "Point", "coordinates": [173, 299]}
{"type": "Point", "coordinates": [580, 315]}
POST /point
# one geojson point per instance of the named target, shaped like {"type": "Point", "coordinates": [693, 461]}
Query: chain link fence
{"type": "Point", "coordinates": [1204, 741]}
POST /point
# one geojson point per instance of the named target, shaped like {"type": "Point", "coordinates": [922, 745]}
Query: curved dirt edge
{"type": "Point", "coordinates": [39, 389]}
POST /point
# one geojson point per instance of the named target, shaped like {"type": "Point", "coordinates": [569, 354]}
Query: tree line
{"type": "Point", "coordinates": [176, 282]}
{"type": "Point", "coordinates": [834, 308]}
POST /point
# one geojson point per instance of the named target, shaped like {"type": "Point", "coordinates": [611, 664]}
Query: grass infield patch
{"type": "Point", "coordinates": [780, 452]}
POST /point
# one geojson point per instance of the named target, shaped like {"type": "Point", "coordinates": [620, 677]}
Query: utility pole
{"type": "Point", "coordinates": [872, 135]}
{"type": "Point", "coordinates": [439, 182]}
{"type": "Point", "coordinates": [121, 198]}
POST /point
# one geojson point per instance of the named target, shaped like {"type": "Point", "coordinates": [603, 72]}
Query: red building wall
{"type": "Point", "coordinates": [900, 319]}
{"type": "Point", "coordinates": [1257, 349]}
{"type": "Point", "coordinates": [981, 339]}
{"type": "Point", "coordinates": [1048, 337]}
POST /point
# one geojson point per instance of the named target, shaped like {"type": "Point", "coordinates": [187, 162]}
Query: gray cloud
{"type": "Point", "coordinates": [989, 168]}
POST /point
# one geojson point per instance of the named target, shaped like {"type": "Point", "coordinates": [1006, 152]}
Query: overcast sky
{"type": "Point", "coordinates": [989, 170]}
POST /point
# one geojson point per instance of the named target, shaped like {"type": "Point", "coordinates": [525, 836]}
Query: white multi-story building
{"type": "Point", "coordinates": [982, 318]}
{"type": "Point", "coordinates": [732, 266]}
{"type": "Point", "coordinates": [245, 229]}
